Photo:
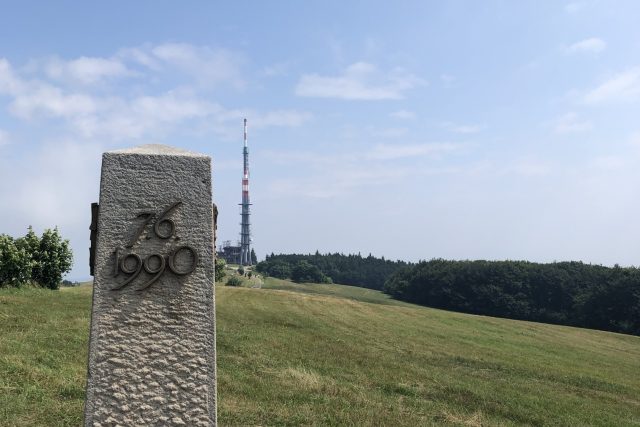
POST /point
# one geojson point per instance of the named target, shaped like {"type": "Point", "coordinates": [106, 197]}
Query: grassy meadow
{"type": "Point", "coordinates": [292, 354]}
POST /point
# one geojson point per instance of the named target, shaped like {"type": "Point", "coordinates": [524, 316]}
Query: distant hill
{"type": "Point", "coordinates": [309, 354]}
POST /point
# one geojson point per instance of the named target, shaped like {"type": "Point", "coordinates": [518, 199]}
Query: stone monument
{"type": "Point", "coordinates": [152, 354]}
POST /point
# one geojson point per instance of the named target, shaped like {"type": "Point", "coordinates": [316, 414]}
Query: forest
{"type": "Point", "coordinates": [355, 270]}
{"type": "Point", "coordinates": [567, 293]}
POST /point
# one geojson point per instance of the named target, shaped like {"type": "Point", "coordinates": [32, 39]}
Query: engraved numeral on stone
{"type": "Point", "coordinates": [162, 220]}
{"type": "Point", "coordinates": [116, 266]}
{"type": "Point", "coordinates": [172, 258]}
{"type": "Point", "coordinates": [135, 271]}
{"type": "Point", "coordinates": [157, 271]}
{"type": "Point", "coordinates": [148, 216]}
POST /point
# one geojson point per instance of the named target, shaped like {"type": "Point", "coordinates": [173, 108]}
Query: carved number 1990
{"type": "Point", "coordinates": [154, 264]}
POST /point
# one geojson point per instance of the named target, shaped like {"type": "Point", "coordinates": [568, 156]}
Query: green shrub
{"type": "Point", "coordinates": [53, 259]}
{"type": "Point", "coordinates": [234, 281]}
{"type": "Point", "coordinates": [16, 263]}
{"type": "Point", "coordinates": [220, 265]}
{"type": "Point", "coordinates": [304, 271]}
{"type": "Point", "coordinates": [40, 260]}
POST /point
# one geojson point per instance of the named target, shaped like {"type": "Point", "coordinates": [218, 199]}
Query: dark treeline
{"type": "Point", "coordinates": [355, 270]}
{"type": "Point", "coordinates": [567, 293]}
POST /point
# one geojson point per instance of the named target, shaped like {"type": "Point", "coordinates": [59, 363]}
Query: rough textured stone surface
{"type": "Point", "coordinates": [152, 351]}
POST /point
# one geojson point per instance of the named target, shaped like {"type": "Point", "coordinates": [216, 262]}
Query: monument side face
{"type": "Point", "coordinates": [152, 346]}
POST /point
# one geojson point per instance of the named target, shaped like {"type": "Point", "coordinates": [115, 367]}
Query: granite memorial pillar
{"type": "Point", "coordinates": [152, 357]}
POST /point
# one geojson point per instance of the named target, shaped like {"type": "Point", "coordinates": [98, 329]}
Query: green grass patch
{"type": "Point", "coordinates": [307, 354]}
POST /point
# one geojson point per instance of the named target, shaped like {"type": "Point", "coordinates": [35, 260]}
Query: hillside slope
{"type": "Point", "coordinates": [291, 357]}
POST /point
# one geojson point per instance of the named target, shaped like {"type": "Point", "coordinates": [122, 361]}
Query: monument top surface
{"type": "Point", "coordinates": [157, 149]}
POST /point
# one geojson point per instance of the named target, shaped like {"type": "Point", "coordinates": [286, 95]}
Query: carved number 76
{"type": "Point", "coordinates": [156, 227]}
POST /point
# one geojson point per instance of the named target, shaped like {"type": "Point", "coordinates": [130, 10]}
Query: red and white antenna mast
{"type": "Point", "coordinates": [245, 226]}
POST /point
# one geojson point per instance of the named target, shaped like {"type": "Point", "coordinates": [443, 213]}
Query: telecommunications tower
{"type": "Point", "coordinates": [245, 231]}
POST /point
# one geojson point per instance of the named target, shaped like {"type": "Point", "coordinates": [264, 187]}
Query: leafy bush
{"type": "Point", "coordinates": [277, 269]}
{"type": "Point", "coordinates": [220, 265]}
{"type": "Point", "coordinates": [42, 261]}
{"type": "Point", "coordinates": [53, 259]}
{"type": "Point", "coordinates": [16, 264]}
{"type": "Point", "coordinates": [306, 272]}
{"type": "Point", "coordinates": [241, 270]}
{"type": "Point", "coordinates": [234, 281]}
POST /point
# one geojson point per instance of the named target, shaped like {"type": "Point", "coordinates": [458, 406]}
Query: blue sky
{"type": "Point", "coordinates": [412, 130]}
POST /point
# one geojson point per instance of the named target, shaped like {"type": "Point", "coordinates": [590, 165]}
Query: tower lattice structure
{"type": "Point", "coordinates": [245, 225]}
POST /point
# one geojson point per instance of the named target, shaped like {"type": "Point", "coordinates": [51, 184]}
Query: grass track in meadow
{"type": "Point", "coordinates": [293, 354]}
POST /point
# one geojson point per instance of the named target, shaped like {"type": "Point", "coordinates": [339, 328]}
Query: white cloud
{"type": "Point", "coordinates": [140, 56]}
{"type": "Point", "coordinates": [398, 151]}
{"type": "Point", "coordinates": [88, 113]}
{"type": "Point", "coordinates": [341, 181]}
{"type": "Point", "coordinates": [360, 81]}
{"type": "Point", "coordinates": [464, 129]}
{"type": "Point", "coordinates": [9, 83]}
{"type": "Point", "coordinates": [591, 45]}
{"type": "Point", "coordinates": [144, 116]}
{"type": "Point", "coordinates": [47, 100]}
{"type": "Point", "coordinates": [622, 87]}
{"type": "Point", "coordinates": [4, 137]}
{"type": "Point", "coordinates": [403, 114]}
{"type": "Point", "coordinates": [208, 66]}
{"type": "Point", "coordinates": [390, 133]}
{"type": "Point", "coordinates": [34, 97]}
{"type": "Point", "coordinates": [289, 118]}
{"type": "Point", "coordinates": [571, 123]}
{"type": "Point", "coordinates": [343, 174]}
{"type": "Point", "coordinates": [86, 70]}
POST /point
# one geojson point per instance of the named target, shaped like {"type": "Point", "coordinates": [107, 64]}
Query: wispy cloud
{"type": "Point", "coordinates": [85, 70]}
{"type": "Point", "coordinates": [132, 114]}
{"type": "Point", "coordinates": [288, 118]}
{"type": "Point", "coordinates": [571, 123]}
{"type": "Point", "coordinates": [342, 174]}
{"type": "Point", "coordinates": [388, 132]}
{"type": "Point", "coordinates": [360, 81]}
{"type": "Point", "coordinates": [209, 67]}
{"type": "Point", "coordinates": [464, 129]}
{"type": "Point", "coordinates": [403, 115]}
{"type": "Point", "coordinates": [399, 151]}
{"type": "Point", "coordinates": [592, 45]}
{"type": "Point", "coordinates": [622, 87]}
{"type": "Point", "coordinates": [4, 137]}
{"type": "Point", "coordinates": [10, 84]}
